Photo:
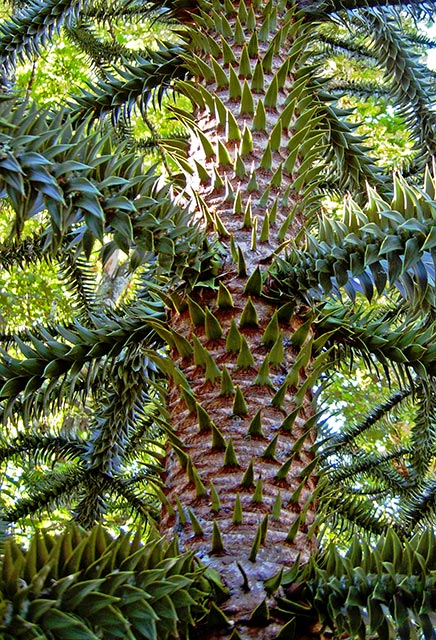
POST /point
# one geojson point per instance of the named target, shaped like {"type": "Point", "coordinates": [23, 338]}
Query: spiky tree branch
{"type": "Point", "coordinates": [410, 85]}
{"type": "Point", "coordinates": [328, 7]}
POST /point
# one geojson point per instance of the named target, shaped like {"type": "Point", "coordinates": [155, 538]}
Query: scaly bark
{"type": "Point", "coordinates": [238, 489]}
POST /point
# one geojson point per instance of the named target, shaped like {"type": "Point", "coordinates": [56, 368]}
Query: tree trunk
{"type": "Point", "coordinates": [238, 480]}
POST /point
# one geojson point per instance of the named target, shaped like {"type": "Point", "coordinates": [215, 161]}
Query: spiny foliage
{"type": "Point", "coordinates": [388, 244]}
{"type": "Point", "coordinates": [387, 590]}
{"type": "Point", "coordinates": [89, 586]}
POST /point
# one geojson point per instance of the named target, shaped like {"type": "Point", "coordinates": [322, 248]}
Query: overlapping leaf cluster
{"type": "Point", "coordinates": [386, 591]}
{"type": "Point", "coordinates": [90, 586]}
{"type": "Point", "coordinates": [389, 243]}
{"type": "Point", "coordinates": [90, 193]}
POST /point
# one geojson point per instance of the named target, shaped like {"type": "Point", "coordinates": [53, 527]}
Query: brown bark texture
{"type": "Point", "coordinates": [239, 484]}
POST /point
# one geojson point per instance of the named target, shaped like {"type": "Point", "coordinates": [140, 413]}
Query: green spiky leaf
{"type": "Point", "coordinates": [242, 268]}
{"type": "Point", "coordinates": [223, 155]}
{"type": "Point", "coordinates": [228, 55]}
{"type": "Point", "coordinates": [227, 387]}
{"type": "Point", "coordinates": [217, 541]}
{"type": "Point", "coordinates": [259, 120]}
{"type": "Point", "coordinates": [234, 338]}
{"type": "Point", "coordinates": [272, 331]}
{"type": "Point", "coordinates": [266, 160]}
{"type": "Point", "coordinates": [254, 283]}
{"type": "Point", "coordinates": [199, 352]}
{"type": "Point", "coordinates": [218, 442]}
{"type": "Point", "coordinates": [295, 527]}
{"type": "Point", "coordinates": [224, 298]}
{"type": "Point", "coordinates": [248, 478]}
{"type": "Point", "coordinates": [258, 495]}
{"type": "Point", "coordinates": [230, 459]}
{"type": "Point", "coordinates": [277, 507]}
{"type": "Point", "coordinates": [239, 403]}
{"type": "Point", "coordinates": [248, 219]}
{"type": "Point", "coordinates": [277, 353]}
{"type": "Point", "coordinates": [196, 526]}
{"type": "Point", "coordinates": [204, 420]}
{"type": "Point", "coordinates": [237, 511]}
{"type": "Point", "coordinates": [196, 313]}
{"type": "Point", "coordinates": [216, 503]}
{"type": "Point", "coordinates": [212, 326]}
{"type": "Point", "coordinates": [249, 317]}
{"type": "Point", "coordinates": [247, 101]}
{"type": "Point", "coordinates": [264, 233]}
{"type": "Point", "coordinates": [256, 545]}
{"type": "Point", "coordinates": [270, 451]}
{"type": "Point", "coordinates": [255, 427]}
{"type": "Point", "coordinates": [239, 167]}
{"type": "Point", "coordinates": [253, 45]}
{"type": "Point", "coordinates": [244, 63]}
{"type": "Point", "coordinates": [212, 372]}
{"type": "Point", "coordinates": [246, 146]}
{"type": "Point", "coordinates": [235, 89]}
{"type": "Point", "coordinates": [245, 358]}
{"type": "Point", "coordinates": [263, 377]}
{"type": "Point", "coordinates": [258, 79]}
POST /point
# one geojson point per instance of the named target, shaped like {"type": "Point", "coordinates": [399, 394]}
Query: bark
{"type": "Point", "coordinates": [246, 414]}
{"type": "Point", "coordinates": [277, 550]}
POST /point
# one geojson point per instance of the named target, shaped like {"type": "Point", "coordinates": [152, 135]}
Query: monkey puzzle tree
{"type": "Point", "coordinates": [189, 401]}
